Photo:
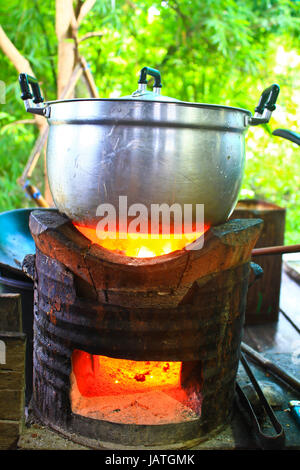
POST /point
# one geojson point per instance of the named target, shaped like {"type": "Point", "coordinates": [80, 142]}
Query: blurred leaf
{"type": "Point", "coordinates": [210, 51]}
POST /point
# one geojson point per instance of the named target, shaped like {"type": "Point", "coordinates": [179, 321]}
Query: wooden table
{"type": "Point", "coordinates": [279, 342]}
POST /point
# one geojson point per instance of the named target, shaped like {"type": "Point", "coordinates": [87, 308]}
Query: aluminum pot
{"type": "Point", "coordinates": [151, 148]}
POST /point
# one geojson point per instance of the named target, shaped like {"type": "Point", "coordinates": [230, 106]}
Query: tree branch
{"type": "Point", "coordinates": [89, 78]}
{"type": "Point", "coordinates": [85, 8]}
{"type": "Point", "coordinates": [90, 35]}
{"type": "Point", "coordinates": [21, 64]}
{"type": "Point", "coordinates": [16, 123]}
{"type": "Point", "coordinates": [64, 20]}
{"type": "Point", "coordinates": [47, 43]}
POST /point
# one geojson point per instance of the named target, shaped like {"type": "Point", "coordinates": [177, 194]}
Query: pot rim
{"type": "Point", "coordinates": [177, 103]}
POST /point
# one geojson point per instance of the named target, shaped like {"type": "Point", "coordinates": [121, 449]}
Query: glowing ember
{"type": "Point", "coordinates": [119, 390]}
{"type": "Point", "coordinates": [139, 245]}
{"type": "Point", "coordinates": [100, 375]}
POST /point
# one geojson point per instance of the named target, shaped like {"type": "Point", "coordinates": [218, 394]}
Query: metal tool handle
{"type": "Point", "coordinates": [266, 105]}
{"type": "Point", "coordinates": [271, 367]}
{"type": "Point", "coordinates": [287, 134]}
{"type": "Point", "coordinates": [31, 93]}
{"type": "Point", "coordinates": [265, 441]}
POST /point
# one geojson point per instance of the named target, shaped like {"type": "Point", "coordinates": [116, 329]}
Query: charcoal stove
{"type": "Point", "coordinates": [137, 353]}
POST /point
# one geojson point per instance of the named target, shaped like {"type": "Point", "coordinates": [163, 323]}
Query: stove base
{"type": "Point", "coordinates": [187, 306]}
{"type": "Point", "coordinates": [136, 437]}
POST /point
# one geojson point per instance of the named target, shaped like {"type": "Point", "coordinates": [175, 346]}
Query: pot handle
{"type": "Point", "coordinates": [34, 96]}
{"type": "Point", "coordinates": [287, 134]}
{"type": "Point", "coordinates": [258, 272]}
{"type": "Point", "coordinates": [154, 73]}
{"type": "Point", "coordinates": [266, 105]}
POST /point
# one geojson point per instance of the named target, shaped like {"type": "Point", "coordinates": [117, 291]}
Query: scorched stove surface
{"type": "Point", "coordinates": [137, 353]}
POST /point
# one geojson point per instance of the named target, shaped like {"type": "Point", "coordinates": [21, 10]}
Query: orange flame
{"type": "Point", "coordinates": [126, 391]}
{"type": "Point", "coordinates": [140, 245]}
{"type": "Point", "coordinates": [101, 375]}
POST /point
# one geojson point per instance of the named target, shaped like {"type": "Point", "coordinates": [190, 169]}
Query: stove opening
{"type": "Point", "coordinates": [135, 392]}
{"type": "Point", "coordinates": [141, 245]}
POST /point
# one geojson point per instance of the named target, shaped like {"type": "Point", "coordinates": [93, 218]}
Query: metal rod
{"type": "Point", "coordinates": [290, 320]}
{"type": "Point", "coordinates": [276, 250]}
{"type": "Point", "coordinates": [271, 367]}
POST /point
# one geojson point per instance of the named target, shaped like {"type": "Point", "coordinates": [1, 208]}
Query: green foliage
{"type": "Point", "coordinates": [213, 51]}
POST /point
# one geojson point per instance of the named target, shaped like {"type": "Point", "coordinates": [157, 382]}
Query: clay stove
{"type": "Point", "coordinates": [137, 353]}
